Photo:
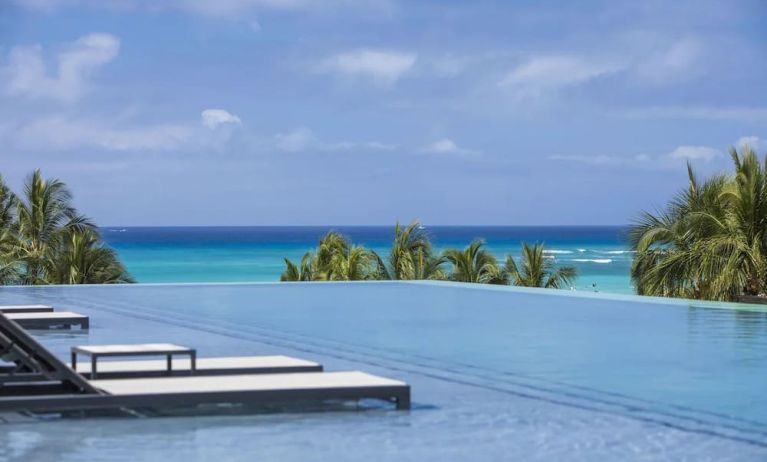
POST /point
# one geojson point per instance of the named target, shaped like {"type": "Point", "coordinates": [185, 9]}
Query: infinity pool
{"type": "Point", "coordinates": [496, 372]}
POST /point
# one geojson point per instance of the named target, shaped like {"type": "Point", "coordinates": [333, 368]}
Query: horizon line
{"type": "Point", "coordinates": [371, 226]}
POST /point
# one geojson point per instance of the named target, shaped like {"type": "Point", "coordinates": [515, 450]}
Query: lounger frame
{"type": "Point", "coordinates": [26, 309]}
{"type": "Point", "coordinates": [399, 394]}
{"type": "Point", "coordinates": [47, 322]}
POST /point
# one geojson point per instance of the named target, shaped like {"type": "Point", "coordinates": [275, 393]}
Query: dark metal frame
{"type": "Point", "coordinates": [399, 394]}
{"type": "Point", "coordinates": [9, 309]}
{"type": "Point", "coordinates": [48, 323]}
{"type": "Point", "coordinates": [191, 352]}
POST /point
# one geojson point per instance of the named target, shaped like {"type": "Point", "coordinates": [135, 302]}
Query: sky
{"type": "Point", "coordinates": [331, 112]}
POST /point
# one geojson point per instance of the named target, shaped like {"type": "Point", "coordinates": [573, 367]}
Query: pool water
{"type": "Point", "coordinates": [496, 372]}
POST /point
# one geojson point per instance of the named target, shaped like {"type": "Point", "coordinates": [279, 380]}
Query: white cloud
{"type": "Point", "coordinates": [753, 141]}
{"type": "Point", "coordinates": [302, 139]}
{"type": "Point", "coordinates": [370, 145]}
{"type": "Point", "coordinates": [26, 73]}
{"type": "Point", "coordinates": [227, 9]}
{"type": "Point", "coordinates": [66, 132]}
{"type": "Point", "coordinates": [703, 153]}
{"type": "Point", "coordinates": [62, 133]}
{"type": "Point", "coordinates": [670, 160]}
{"type": "Point", "coordinates": [297, 140]}
{"type": "Point", "coordinates": [749, 114]}
{"type": "Point", "coordinates": [447, 146]}
{"type": "Point", "coordinates": [602, 159]}
{"type": "Point", "coordinates": [213, 118]}
{"type": "Point", "coordinates": [380, 65]}
{"type": "Point", "coordinates": [235, 8]}
{"type": "Point", "coordinates": [545, 75]}
{"type": "Point", "coordinates": [654, 60]}
{"type": "Point", "coordinates": [680, 61]}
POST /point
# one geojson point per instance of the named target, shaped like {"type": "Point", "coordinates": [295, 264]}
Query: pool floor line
{"type": "Point", "coordinates": [629, 410]}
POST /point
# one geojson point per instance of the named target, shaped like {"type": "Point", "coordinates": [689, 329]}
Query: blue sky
{"type": "Point", "coordinates": [247, 112]}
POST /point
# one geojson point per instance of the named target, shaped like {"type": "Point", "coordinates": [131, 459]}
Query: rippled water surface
{"type": "Point", "coordinates": [496, 373]}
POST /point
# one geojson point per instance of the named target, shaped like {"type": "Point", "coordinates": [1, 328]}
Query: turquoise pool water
{"type": "Point", "coordinates": [496, 372]}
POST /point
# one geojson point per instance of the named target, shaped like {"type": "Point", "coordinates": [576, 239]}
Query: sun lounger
{"type": "Point", "coordinates": [25, 309]}
{"type": "Point", "coordinates": [247, 389]}
{"type": "Point", "coordinates": [50, 320]}
{"type": "Point", "coordinates": [65, 390]}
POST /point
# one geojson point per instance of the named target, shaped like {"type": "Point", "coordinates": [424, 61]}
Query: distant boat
{"type": "Point", "coordinates": [421, 227]}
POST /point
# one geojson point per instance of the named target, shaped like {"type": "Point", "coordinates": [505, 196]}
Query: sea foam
{"type": "Point", "coordinates": [593, 260]}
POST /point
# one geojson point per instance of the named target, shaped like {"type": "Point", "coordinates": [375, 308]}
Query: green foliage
{"type": "Point", "coordinates": [85, 260]}
{"type": "Point", "coordinates": [9, 268]}
{"type": "Point", "coordinates": [44, 240]}
{"type": "Point", "coordinates": [538, 271]}
{"type": "Point", "coordinates": [335, 259]}
{"type": "Point", "coordinates": [411, 257]}
{"type": "Point", "coordinates": [304, 271]}
{"type": "Point", "coordinates": [474, 264]}
{"type": "Point", "coordinates": [709, 242]}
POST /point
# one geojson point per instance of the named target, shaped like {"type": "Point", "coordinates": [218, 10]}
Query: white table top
{"type": "Point", "coordinates": [45, 315]}
{"type": "Point", "coordinates": [132, 349]}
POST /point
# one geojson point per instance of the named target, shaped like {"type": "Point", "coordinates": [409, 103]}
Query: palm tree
{"type": "Point", "coordinates": [335, 259]}
{"type": "Point", "coordinates": [358, 264]}
{"type": "Point", "coordinates": [474, 264]}
{"type": "Point", "coordinates": [537, 270]}
{"type": "Point", "coordinates": [45, 215]}
{"type": "Point", "coordinates": [8, 204]}
{"type": "Point", "coordinates": [331, 244]}
{"type": "Point", "coordinates": [304, 271]}
{"type": "Point", "coordinates": [9, 273]}
{"type": "Point", "coordinates": [83, 259]}
{"type": "Point", "coordinates": [711, 240]}
{"type": "Point", "coordinates": [411, 256]}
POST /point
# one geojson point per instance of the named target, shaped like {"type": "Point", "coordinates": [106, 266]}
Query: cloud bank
{"type": "Point", "coordinates": [26, 74]}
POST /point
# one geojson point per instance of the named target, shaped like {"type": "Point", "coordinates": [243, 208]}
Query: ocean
{"type": "Point", "coordinates": [255, 254]}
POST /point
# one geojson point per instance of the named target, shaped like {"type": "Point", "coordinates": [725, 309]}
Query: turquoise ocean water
{"type": "Point", "coordinates": [251, 254]}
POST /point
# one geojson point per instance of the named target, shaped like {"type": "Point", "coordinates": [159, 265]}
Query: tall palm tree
{"type": "Point", "coordinates": [83, 259]}
{"type": "Point", "coordinates": [537, 270]}
{"type": "Point", "coordinates": [474, 264]}
{"type": "Point", "coordinates": [710, 242]}
{"type": "Point", "coordinates": [45, 214]}
{"type": "Point", "coordinates": [411, 256]}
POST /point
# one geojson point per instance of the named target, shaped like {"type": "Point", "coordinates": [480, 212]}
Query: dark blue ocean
{"type": "Point", "coordinates": [241, 254]}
